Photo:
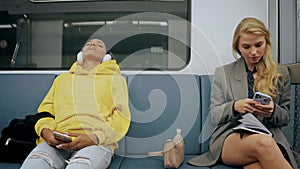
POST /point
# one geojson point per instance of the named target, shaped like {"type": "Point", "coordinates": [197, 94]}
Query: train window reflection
{"type": "Point", "coordinates": [138, 40]}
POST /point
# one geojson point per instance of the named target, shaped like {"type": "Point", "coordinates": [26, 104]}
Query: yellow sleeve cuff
{"type": "Point", "coordinates": [101, 137]}
{"type": "Point", "coordinates": [46, 122]}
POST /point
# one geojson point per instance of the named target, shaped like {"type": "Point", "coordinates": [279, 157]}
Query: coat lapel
{"type": "Point", "coordinates": [238, 80]}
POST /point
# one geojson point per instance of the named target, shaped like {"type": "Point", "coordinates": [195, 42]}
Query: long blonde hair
{"type": "Point", "coordinates": [267, 69]}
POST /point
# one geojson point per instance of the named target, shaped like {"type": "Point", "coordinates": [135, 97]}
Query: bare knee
{"type": "Point", "coordinates": [265, 145]}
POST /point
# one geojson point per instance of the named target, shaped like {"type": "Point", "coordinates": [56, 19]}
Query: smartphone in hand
{"type": "Point", "coordinates": [262, 98]}
{"type": "Point", "coordinates": [62, 137]}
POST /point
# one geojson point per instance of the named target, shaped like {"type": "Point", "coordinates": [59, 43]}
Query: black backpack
{"type": "Point", "coordinates": [19, 138]}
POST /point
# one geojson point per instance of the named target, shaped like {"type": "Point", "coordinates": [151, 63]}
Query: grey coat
{"type": "Point", "coordinates": [230, 84]}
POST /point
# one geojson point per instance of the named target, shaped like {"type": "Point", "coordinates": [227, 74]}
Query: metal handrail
{"type": "Point", "coordinates": [14, 56]}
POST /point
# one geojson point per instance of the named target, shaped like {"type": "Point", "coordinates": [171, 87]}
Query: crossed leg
{"type": "Point", "coordinates": [255, 151]}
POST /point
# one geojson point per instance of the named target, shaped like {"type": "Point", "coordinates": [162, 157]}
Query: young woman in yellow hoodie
{"type": "Point", "coordinates": [90, 104]}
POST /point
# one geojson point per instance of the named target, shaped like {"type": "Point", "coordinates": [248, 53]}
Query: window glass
{"type": "Point", "coordinates": [146, 35]}
{"type": "Point", "coordinates": [7, 39]}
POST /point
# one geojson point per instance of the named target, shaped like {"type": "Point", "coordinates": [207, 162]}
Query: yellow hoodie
{"type": "Point", "coordinates": [91, 102]}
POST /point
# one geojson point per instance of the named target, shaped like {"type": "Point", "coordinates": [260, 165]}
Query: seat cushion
{"type": "Point", "coordinates": [160, 104]}
{"type": "Point", "coordinates": [154, 163]}
{"type": "Point", "coordinates": [116, 162]}
{"type": "Point", "coordinates": [10, 166]}
{"type": "Point", "coordinates": [22, 94]}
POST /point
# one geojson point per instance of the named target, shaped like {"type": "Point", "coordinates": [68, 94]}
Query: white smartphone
{"type": "Point", "coordinates": [262, 98]}
{"type": "Point", "coordinates": [62, 137]}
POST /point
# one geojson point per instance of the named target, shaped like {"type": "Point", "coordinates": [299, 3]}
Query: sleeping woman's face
{"type": "Point", "coordinates": [94, 49]}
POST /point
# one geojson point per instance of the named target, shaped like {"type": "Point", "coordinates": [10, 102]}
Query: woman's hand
{"type": "Point", "coordinates": [244, 105]}
{"type": "Point", "coordinates": [48, 136]}
{"type": "Point", "coordinates": [264, 110]}
{"type": "Point", "coordinates": [251, 106]}
{"type": "Point", "coordinates": [80, 141]}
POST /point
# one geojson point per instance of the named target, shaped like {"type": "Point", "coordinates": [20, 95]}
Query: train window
{"type": "Point", "coordinates": [140, 35]}
{"type": "Point", "coordinates": [7, 38]}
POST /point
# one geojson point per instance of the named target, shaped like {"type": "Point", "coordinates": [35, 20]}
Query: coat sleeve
{"type": "Point", "coordinates": [221, 107]}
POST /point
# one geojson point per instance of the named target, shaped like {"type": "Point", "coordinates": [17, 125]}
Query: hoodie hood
{"type": "Point", "coordinates": [106, 68]}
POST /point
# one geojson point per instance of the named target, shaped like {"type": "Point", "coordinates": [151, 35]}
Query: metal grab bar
{"type": "Point", "coordinates": [14, 56]}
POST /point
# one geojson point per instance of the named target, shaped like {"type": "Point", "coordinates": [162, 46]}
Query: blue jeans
{"type": "Point", "coordinates": [48, 157]}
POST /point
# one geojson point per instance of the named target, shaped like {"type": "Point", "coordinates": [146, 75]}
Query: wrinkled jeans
{"type": "Point", "coordinates": [47, 157]}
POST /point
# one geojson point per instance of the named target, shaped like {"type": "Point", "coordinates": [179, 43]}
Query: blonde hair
{"type": "Point", "coordinates": [267, 69]}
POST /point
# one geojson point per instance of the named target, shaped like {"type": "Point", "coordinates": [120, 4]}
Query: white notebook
{"type": "Point", "coordinates": [251, 124]}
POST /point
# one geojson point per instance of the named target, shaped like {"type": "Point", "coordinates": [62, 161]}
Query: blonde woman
{"type": "Point", "coordinates": [232, 91]}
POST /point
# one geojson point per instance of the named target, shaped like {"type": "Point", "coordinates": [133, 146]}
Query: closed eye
{"type": "Point", "coordinates": [246, 46]}
{"type": "Point", "coordinates": [258, 44]}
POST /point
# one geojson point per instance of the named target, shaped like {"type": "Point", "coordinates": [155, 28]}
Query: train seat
{"type": "Point", "coordinates": [159, 104]}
